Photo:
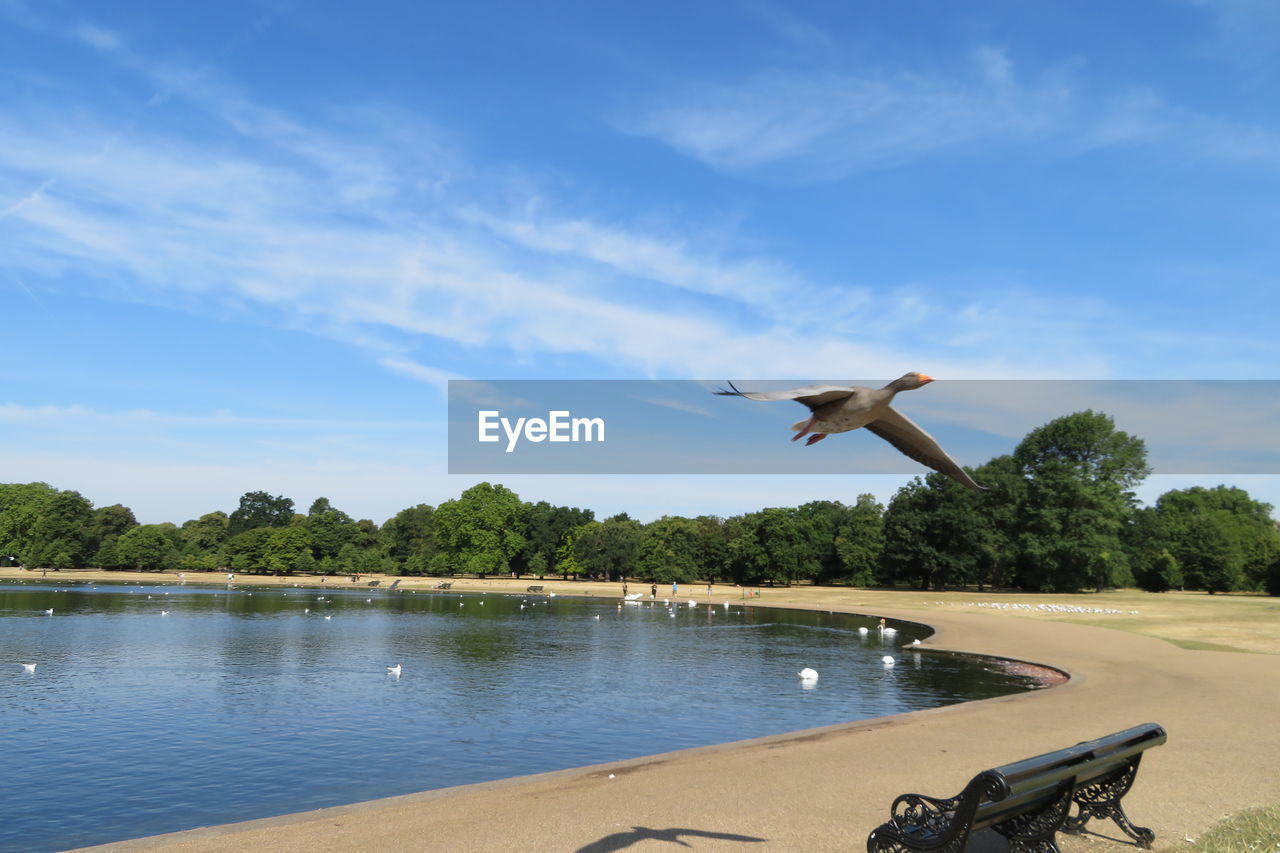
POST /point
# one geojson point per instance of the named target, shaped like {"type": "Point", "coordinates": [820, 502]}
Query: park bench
{"type": "Point", "coordinates": [1028, 801]}
{"type": "Point", "coordinates": [374, 583]}
{"type": "Point", "coordinates": [534, 588]}
{"type": "Point", "coordinates": [444, 585]}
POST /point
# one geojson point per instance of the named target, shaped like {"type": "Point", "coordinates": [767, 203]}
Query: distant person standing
{"type": "Point", "coordinates": [708, 590]}
{"type": "Point", "coordinates": [653, 592]}
{"type": "Point", "coordinates": [675, 588]}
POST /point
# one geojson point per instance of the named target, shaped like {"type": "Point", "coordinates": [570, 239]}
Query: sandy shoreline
{"type": "Point", "coordinates": [825, 789]}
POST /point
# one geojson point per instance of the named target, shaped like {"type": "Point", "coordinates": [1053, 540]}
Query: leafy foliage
{"type": "Point", "coordinates": [1060, 516]}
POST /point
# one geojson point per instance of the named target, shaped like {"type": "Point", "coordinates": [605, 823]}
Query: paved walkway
{"type": "Point", "coordinates": [825, 789]}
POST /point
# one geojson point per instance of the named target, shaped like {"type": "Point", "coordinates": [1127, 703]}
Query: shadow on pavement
{"type": "Point", "coordinates": [623, 840]}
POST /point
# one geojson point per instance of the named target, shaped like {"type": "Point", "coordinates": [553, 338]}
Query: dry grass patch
{"type": "Point", "coordinates": [1252, 831]}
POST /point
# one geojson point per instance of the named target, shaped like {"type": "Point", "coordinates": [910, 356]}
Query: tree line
{"type": "Point", "coordinates": [1060, 516]}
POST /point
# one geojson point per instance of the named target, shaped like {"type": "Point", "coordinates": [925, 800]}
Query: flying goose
{"type": "Point", "coordinates": [841, 408]}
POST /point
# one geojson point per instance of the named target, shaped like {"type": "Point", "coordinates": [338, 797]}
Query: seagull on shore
{"type": "Point", "coordinates": [842, 408]}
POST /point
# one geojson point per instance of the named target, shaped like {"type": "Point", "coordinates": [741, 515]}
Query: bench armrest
{"type": "Point", "coordinates": [932, 815]}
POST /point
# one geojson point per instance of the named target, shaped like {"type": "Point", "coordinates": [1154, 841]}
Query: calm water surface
{"type": "Point", "coordinates": [241, 704]}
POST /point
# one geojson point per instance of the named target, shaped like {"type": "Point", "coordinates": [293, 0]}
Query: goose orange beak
{"type": "Point", "coordinates": [925, 378]}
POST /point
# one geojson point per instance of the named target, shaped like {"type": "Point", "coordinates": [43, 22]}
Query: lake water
{"type": "Point", "coordinates": [240, 704]}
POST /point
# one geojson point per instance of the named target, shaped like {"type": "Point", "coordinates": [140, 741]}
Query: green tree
{"type": "Point", "coordinates": [260, 509]}
{"type": "Point", "coordinates": [1161, 574]}
{"type": "Point", "coordinates": [482, 531]}
{"type": "Point", "coordinates": [774, 545]}
{"type": "Point", "coordinates": [1208, 557]}
{"type": "Point", "coordinates": [711, 547]}
{"type": "Point", "coordinates": [859, 542]}
{"type": "Point", "coordinates": [668, 550]}
{"type": "Point", "coordinates": [824, 519]}
{"type": "Point", "coordinates": [109, 523]}
{"type": "Point", "coordinates": [288, 550]}
{"type": "Point", "coordinates": [150, 547]}
{"type": "Point", "coordinates": [206, 533]}
{"type": "Point", "coordinates": [245, 551]}
{"type": "Point", "coordinates": [1242, 545]}
{"type": "Point", "coordinates": [60, 535]}
{"type": "Point", "coordinates": [1081, 473]}
{"type": "Point", "coordinates": [544, 529]}
{"type": "Point", "coordinates": [998, 514]}
{"type": "Point", "coordinates": [933, 535]}
{"type": "Point", "coordinates": [328, 529]}
{"type": "Point", "coordinates": [409, 538]}
{"type": "Point", "coordinates": [20, 505]}
{"type": "Point", "coordinates": [609, 549]}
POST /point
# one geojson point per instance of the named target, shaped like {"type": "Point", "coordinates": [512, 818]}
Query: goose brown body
{"type": "Point", "coordinates": [843, 408]}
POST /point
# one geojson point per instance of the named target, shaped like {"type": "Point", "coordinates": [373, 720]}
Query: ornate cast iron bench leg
{"type": "Point", "coordinates": [1102, 800]}
{"type": "Point", "coordinates": [1034, 832]}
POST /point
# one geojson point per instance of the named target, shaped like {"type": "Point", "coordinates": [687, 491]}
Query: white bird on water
{"type": "Point", "coordinates": [887, 660]}
{"type": "Point", "coordinates": [29, 667]}
{"type": "Point", "coordinates": [394, 670]}
{"type": "Point", "coordinates": [49, 612]}
{"type": "Point", "coordinates": [808, 674]}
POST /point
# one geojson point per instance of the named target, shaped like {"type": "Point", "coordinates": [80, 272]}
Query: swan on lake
{"type": "Point", "coordinates": [887, 660]}
{"type": "Point", "coordinates": [808, 674]}
{"type": "Point", "coordinates": [394, 670]}
{"type": "Point", "coordinates": [29, 667]}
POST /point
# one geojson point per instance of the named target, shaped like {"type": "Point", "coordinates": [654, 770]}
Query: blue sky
{"type": "Point", "coordinates": [244, 245]}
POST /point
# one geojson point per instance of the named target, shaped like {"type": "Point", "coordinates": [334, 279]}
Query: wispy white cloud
{"type": "Point", "coordinates": [13, 413]}
{"type": "Point", "coordinates": [668, 260]}
{"type": "Point", "coordinates": [822, 124]}
{"type": "Point", "coordinates": [678, 405]}
{"type": "Point", "coordinates": [423, 373]}
{"type": "Point", "coordinates": [348, 226]}
{"type": "Point", "coordinates": [841, 121]}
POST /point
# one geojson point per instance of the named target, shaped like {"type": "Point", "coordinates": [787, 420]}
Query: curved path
{"type": "Point", "coordinates": [825, 789]}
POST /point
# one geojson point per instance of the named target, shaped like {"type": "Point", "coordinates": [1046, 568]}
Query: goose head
{"type": "Point", "coordinates": [909, 382]}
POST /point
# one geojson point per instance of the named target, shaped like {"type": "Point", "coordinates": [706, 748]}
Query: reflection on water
{"type": "Point", "coordinates": [241, 704]}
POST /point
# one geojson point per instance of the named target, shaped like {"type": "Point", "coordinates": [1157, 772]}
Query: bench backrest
{"type": "Point", "coordinates": [1024, 785]}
